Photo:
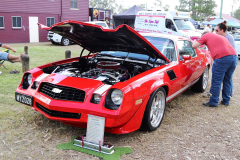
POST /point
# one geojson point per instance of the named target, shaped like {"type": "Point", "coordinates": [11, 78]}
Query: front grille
{"type": "Point", "coordinates": [62, 92]}
{"type": "Point", "coordinates": [58, 113]}
{"type": "Point", "coordinates": [50, 34]}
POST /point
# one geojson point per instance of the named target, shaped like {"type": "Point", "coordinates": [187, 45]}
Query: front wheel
{"type": "Point", "coordinates": [65, 42]}
{"type": "Point", "coordinates": [202, 83]}
{"type": "Point", "coordinates": [154, 110]}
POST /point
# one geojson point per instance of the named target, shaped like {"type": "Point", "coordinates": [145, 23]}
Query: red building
{"type": "Point", "coordinates": [19, 18]}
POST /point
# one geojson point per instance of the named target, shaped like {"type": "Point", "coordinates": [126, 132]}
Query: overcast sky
{"type": "Point", "coordinates": [227, 4]}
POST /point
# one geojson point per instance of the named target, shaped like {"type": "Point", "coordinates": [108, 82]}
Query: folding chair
{"type": "Point", "coordinates": [2, 61]}
{"type": "Point", "coordinates": [1, 64]}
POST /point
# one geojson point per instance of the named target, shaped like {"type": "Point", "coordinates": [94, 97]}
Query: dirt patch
{"type": "Point", "coordinates": [189, 131]}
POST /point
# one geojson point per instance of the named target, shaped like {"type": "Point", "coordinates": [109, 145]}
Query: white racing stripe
{"type": "Point", "coordinates": [102, 89]}
{"type": "Point", "coordinates": [41, 77]}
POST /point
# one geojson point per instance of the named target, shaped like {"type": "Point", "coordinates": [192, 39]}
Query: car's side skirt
{"type": "Point", "coordinates": [181, 90]}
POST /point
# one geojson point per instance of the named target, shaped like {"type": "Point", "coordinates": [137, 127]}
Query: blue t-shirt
{"type": "Point", "coordinates": [230, 40]}
{"type": "Point", "coordinates": [0, 44]}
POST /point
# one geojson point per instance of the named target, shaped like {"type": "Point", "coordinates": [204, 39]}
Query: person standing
{"type": "Point", "coordinates": [221, 29]}
{"type": "Point", "coordinates": [224, 56]}
{"type": "Point", "coordinates": [9, 57]}
{"type": "Point", "coordinates": [207, 28]}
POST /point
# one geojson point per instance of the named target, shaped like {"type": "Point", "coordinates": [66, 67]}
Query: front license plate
{"type": "Point", "coordinates": [22, 98]}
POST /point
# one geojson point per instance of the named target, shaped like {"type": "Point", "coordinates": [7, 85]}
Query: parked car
{"type": "Point", "coordinates": [58, 39]}
{"type": "Point", "coordinates": [126, 78]}
{"type": "Point", "coordinates": [237, 43]}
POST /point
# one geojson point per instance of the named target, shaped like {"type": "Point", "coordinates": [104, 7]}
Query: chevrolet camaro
{"type": "Point", "coordinates": [127, 77]}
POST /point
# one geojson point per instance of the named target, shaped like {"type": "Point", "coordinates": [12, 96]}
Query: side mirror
{"type": "Point", "coordinates": [186, 57]}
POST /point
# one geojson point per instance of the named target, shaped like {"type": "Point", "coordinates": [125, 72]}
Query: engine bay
{"type": "Point", "coordinates": [106, 70]}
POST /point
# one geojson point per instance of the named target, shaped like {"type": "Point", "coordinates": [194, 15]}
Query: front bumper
{"type": "Point", "coordinates": [56, 40]}
{"type": "Point", "coordinates": [76, 113]}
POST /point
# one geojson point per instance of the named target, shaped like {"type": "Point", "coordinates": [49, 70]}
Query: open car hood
{"type": "Point", "coordinates": [96, 39]}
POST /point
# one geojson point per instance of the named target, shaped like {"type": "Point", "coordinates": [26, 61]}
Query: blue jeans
{"type": "Point", "coordinates": [222, 72]}
{"type": "Point", "coordinates": [231, 79]}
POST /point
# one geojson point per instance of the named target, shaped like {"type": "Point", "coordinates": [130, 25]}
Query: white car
{"type": "Point", "coordinates": [237, 43]}
{"type": "Point", "coordinates": [58, 39]}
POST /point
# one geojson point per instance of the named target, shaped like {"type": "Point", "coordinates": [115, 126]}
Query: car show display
{"type": "Point", "coordinates": [127, 78]}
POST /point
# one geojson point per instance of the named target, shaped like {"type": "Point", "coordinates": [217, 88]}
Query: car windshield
{"type": "Point", "coordinates": [184, 24]}
{"type": "Point", "coordinates": [101, 24]}
{"type": "Point", "coordinates": [164, 45]}
{"type": "Point", "coordinates": [237, 37]}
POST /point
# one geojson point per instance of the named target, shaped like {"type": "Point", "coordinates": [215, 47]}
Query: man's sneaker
{"type": "Point", "coordinates": [208, 105]}
{"type": "Point", "coordinates": [222, 103]}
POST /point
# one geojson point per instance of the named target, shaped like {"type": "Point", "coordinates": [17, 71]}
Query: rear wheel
{"type": "Point", "coordinates": [65, 42]}
{"type": "Point", "coordinates": [202, 83]}
{"type": "Point", "coordinates": [53, 42]}
{"type": "Point", "coordinates": [154, 110]}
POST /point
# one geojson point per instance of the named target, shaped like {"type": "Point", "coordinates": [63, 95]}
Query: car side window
{"type": "Point", "coordinates": [185, 48]}
{"type": "Point", "coordinates": [169, 51]}
{"type": "Point", "coordinates": [169, 24]}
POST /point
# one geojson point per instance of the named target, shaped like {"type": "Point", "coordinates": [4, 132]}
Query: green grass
{"type": "Point", "coordinates": [39, 55]}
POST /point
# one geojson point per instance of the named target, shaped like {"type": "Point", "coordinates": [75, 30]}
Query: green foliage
{"type": "Point", "coordinates": [201, 9]}
{"type": "Point", "coordinates": [106, 4]}
{"type": "Point", "coordinates": [142, 6]}
{"type": "Point", "coordinates": [236, 14]}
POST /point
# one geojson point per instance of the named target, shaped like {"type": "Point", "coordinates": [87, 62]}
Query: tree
{"type": "Point", "coordinates": [142, 6]}
{"type": "Point", "coordinates": [201, 9]}
{"type": "Point", "coordinates": [166, 7]}
{"type": "Point", "coordinates": [106, 4]}
{"type": "Point", "coordinates": [236, 14]}
{"type": "Point", "coordinates": [234, 3]}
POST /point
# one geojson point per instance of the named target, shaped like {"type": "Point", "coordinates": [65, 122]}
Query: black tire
{"type": "Point", "coordinates": [53, 42]}
{"type": "Point", "coordinates": [65, 42]}
{"type": "Point", "coordinates": [202, 83]}
{"type": "Point", "coordinates": [154, 111]}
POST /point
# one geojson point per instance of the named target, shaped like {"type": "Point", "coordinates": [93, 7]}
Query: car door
{"type": "Point", "coordinates": [190, 69]}
{"type": "Point", "coordinates": [170, 28]}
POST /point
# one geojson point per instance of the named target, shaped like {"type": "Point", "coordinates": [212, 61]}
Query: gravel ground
{"type": "Point", "coordinates": [189, 131]}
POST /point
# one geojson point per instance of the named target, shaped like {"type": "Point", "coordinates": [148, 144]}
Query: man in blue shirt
{"type": "Point", "coordinates": [9, 57]}
{"type": "Point", "coordinates": [221, 29]}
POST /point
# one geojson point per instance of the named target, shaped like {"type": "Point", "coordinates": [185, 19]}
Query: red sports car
{"type": "Point", "coordinates": [127, 77]}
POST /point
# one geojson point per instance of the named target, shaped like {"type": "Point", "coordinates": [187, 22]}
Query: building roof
{"type": "Point", "coordinates": [226, 17]}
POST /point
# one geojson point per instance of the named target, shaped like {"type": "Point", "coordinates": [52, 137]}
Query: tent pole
{"type": "Point", "coordinates": [221, 9]}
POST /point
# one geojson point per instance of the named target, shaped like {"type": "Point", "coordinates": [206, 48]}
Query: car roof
{"type": "Point", "coordinates": [93, 22]}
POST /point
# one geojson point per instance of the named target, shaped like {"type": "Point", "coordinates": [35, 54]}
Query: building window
{"type": "Point", "coordinates": [50, 21]}
{"type": "Point", "coordinates": [16, 22]}
{"type": "Point", "coordinates": [1, 22]}
{"type": "Point", "coordinates": [74, 4]}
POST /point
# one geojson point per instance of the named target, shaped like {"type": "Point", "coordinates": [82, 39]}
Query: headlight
{"type": "Point", "coordinates": [117, 97]}
{"type": "Point", "coordinates": [114, 99]}
{"type": "Point", "coordinates": [35, 85]}
{"type": "Point", "coordinates": [27, 80]}
{"type": "Point", "coordinates": [96, 98]}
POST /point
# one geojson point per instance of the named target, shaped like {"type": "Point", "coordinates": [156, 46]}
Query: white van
{"type": "Point", "coordinates": [58, 39]}
{"type": "Point", "coordinates": [170, 22]}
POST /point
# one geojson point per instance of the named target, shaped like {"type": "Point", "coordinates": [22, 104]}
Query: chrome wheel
{"type": "Point", "coordinates": [65, 41]}
{"type": "Point", "coordinates": [157, 109]}
{"type": "Point", "coordinates": [154, 111]}
{"type": "Point", "coordinates": [205, 78]}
